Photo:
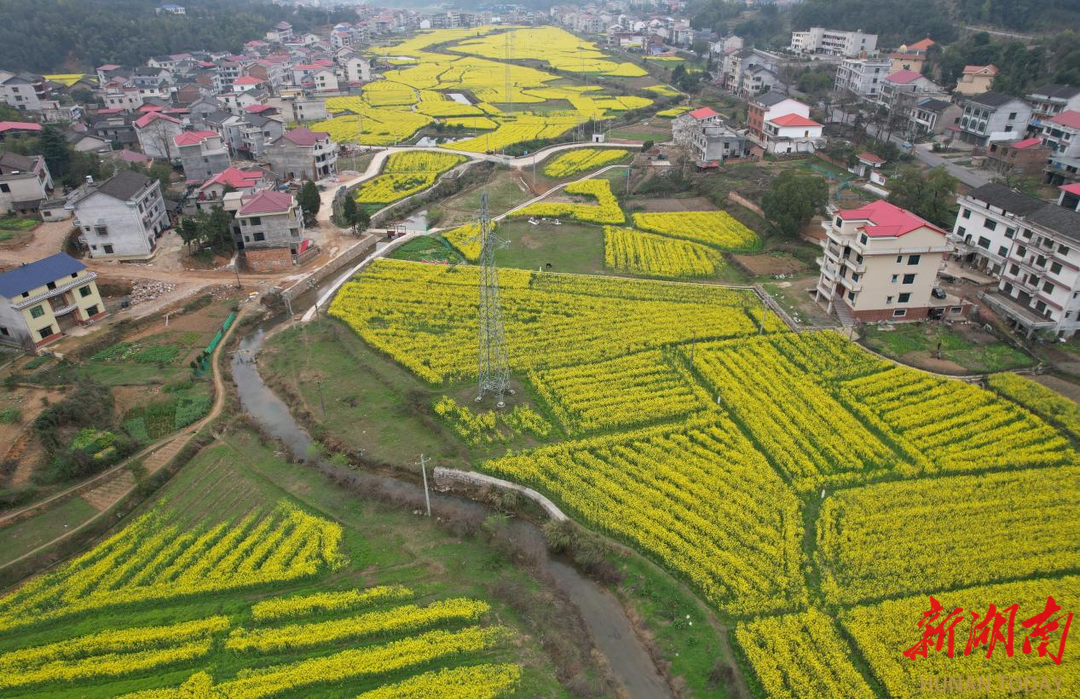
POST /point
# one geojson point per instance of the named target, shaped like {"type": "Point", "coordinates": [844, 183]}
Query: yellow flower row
{"type": "Point", "coordinates": [472, 682]}
{"type": "Point", "coordinates": [409, 617]}
{"type": "Point", "coordinates": [465, 240]}
{"type": "Point", "coordinates": [868, 549]}
{"type": "Point", "coordinates": [634, 252]}
{"type": "Point", "coordinates": [289, 607]}
{"type": "Point", "coordinates": [107, 665]}
{"type": "Point", "coordinates": [471, 427]}
{"type": "Point", "coordinates": [715, 228]}
{"type": "Point", "coordinates": [697, 497]}
{"type": "Point", "coordinates": [1039, 399]}
{"type": "Point", "coordinates": [524, 420]}
{"type": "Point", "coordinates": [638, 389]}
{"type": "Point", "coordinates": [583, 160]}
{"type": "Point", "coordinates": [141, 638]}
{"type": "Point", "coordinates": [801, 655]}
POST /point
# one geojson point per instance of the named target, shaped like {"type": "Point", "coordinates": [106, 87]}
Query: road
{"type": "Point", "coordinates": [923, 153]}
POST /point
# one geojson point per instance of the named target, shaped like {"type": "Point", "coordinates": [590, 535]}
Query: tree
{"type": "Point", "coordinates": [931, 195]}
{"type": "Point", "coordinates": [216, 230]}
{"type": "Point", "coordinates": [56, 151]}
{"type": "Point", "coordinates": [189, 229]}
{"type": "Point", "coordinates": [163, 174]}
{"type": "Point", "coordinates": [795, 197]}
{"type": "Point", "coordinates": [309, 200]}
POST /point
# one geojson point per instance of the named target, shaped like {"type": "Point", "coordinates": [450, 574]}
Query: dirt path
{"type": "Point", "coordinates": [117, 483]}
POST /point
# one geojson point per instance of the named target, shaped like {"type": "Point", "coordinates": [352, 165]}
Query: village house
{"type": "Point", "coordinates": [684, 125]}
{"type": "Point", "coordinates": [976, 80]}
{"type": "Point", "coordinates": [157, 134]}
{"type": "Point", "coordinates": [880, 262]}
{"type": "Point", "coordinates": [1022, 157]}
{"type": "Point", "coordinates": [1061, 136]}
{"type": "Point", "coordinates": [40, 300]}
{"type": "Point", "coordinates": [202, 153]}
{"type": "Point", "coordinates": [1048, 101]}
{"type": "Point", "coordinates": [25, 183]}
{"type": "Point", "coordinates": [833, 42]}
{"type": "Point", "coordinates": [993, 116]}
{"type": "Point", "coordinates": [1032, 248]}
{"type": "Point", "coordinates": [932, 116]}
{"type": "Point", "coordinates": [905, 87]}
{"type": "Point", "coordinates": [243, 181]}
{"type": "Point", "coordinates": [862, 76]}
{"type": "Point", "coordinates": [269, 229]}
{"type": "Point", "coordinates": [23, 91]}
{"type": "Point", "coordinates": [303, 154]}
{"type": "Point", "coordinates": [122, 217]}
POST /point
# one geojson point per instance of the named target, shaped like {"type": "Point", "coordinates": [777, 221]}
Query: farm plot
{"type": "Point", "coordinates": [217, 591]}
{"type": "Point", "coordinates": [424, 316]}
{"type": "Point", "coordinates": [882, 633]}
{"type": "Point", "coordinates": [867, 548]}
{"type": "Point", "coordinates": [698, 497]}
{"type": "Point", "coordinates": [714, 228]}
{"type": "Point", "coordinates": [574, 162]}
{"type": "Point", "coordinates": [606, 210]}
{"type": "Point", "coordinates": [634, 252]}
{"type": "Point", "coordinates": [403, 175]}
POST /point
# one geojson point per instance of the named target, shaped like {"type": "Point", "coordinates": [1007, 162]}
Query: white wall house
{"type": "Point", "coordinates": [25, 182]}
{"type": "Point", "coordinates": [122, 217]}
{"type": "Point", "coordinates": [862, 76]}
{"type": "Point", "coordinates": [157, 134]}
{"type": "Point", "coordinates": [832, 42]}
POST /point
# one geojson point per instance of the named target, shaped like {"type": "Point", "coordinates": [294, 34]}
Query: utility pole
{"type": "Point", "coordinates": [494, 362]}
{"type": "Point", "coordinates": [427, 497]}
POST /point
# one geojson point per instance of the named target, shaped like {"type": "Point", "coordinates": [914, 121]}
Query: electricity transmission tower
{"type": "Point", "coordinates": [494, 362]}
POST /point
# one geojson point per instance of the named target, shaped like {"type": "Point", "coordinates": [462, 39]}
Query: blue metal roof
{"type": "Point", "coordinates": [30, 276]}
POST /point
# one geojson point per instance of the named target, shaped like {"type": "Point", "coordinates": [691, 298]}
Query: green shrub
{"type": "Point", "coordinates": [10, 416]}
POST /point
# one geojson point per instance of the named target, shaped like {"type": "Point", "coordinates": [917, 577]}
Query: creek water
{"type": "Point", "coordinates": [607, 623]}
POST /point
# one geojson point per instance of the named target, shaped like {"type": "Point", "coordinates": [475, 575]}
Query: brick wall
{"type": "Point", "coordinates": [887, 314]}
{"type": "Point", "coordinates": [268, 259]}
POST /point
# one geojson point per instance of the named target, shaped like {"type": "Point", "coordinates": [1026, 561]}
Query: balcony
{"type": "Point", "coordinates": [60, 289]}
{"type": "Point", "coordinates": [857, 267]}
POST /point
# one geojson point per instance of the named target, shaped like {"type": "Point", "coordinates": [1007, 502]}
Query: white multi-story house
{"type": "Point", "coordinates": [792, 133]}
{"type": "Point", "coordinates": [357, 70]}
{"type": "Point", "coordinates": [862, 76]}
{"type": "Point", "coordinates": [25, 182]}
{"type": "Point", "coordinates": [269, 229]}
{"type": "Point", "coordinates": [42, 299]}
{"type": "Point", "coordinates": [685, 125]}
{"type": "Point", "coordinates": [833, 42]}
{"type": "Point", "coordinates": [325, 81]}
{"type": "Point", "coordinates": [993, 116]}
{"type": "Point", "coordinates": [1061, 136]}
{"type": "Point", "coordinates": [1032, 248]}
{"type": "Point", "coordinates": [23, 91]}
{"type": "Point", "coordinates": [881, 262]}
{"type": "Point", "coordinates": [281, 33]}
{"type": "Point", "coordinates": [1050, 100]}
{"type": "Point", "coordinates": [202, 153]}
{"type": "Point", "coordinates": [906, 87]}
{"type": "Point", "coordinates": [122, 217]}
{"type": "Point", "coordinates": [303, 154]}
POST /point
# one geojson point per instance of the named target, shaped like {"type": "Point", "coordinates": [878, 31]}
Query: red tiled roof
{"type": "Point", "coordinates": [257, 108]}
{"type": "Point", "coordinates": [992, 69]}
{"type": "Point", "coordinates": [870, 157]}
{"type": "Point", "coordinates": [886, 220]}
{"type": "Point", "coordinates": [109, 111]}
{"type": "Point", "coordinates": [1026, 143]}
{"type": "Point", "coordinates": [147, 119]}
{"type": "Point", "coordinates": [303, 136]}
{"type": "Point", "coordinates": [265, 202]}
{"type": "Point", "coordinates": [234, 177]}
{"type": "Point", "coordinates": [128, 156]}
{"type": "Point", "coordinates": [19, 126]}
{"type": "Point", "coordinates": [1073, 188]}
{"type": "Point", "coordinates": [903, 77]}
{"type": "Point", "coordinates": [1070, 118]}
{"type": "Point", "coordinates": [702, 113]}
{"type": "Point", "coordinates": [793, 120]}
{"type": "Point", "coordinates": [108, 66]}
{"type": "Point", "coordinates": [190, 138]}
{"type": "Point", "coordinates": [247, 80]}
{"type": "Point", "coordinates": [151, 108]}
{"type": "Point", "coordinates": [922, 45]}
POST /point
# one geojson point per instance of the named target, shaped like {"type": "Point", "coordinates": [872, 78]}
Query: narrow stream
{"type": "Point", "coordinates": [610, 629]}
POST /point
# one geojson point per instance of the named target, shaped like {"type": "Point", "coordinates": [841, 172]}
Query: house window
{"type": "Point", "coordinates": [101, 230]}
{"type": "Point", "coordinates": [1055, 268]}
{"type": "Point", "coordinates": [904, 297]}
{"type": "Point", "coordinates": [84, 291]}
{"type": "Point", "coordinates": [899, 259]}
{"type": "Point", "coordinates": [1026, 234]}
{"type": "Point", "coordinates": [1021, 251]}
{"type": "Point", "coordinates": [1003, 251]}
{"type": "Point", "coordinates": [909, 279]}
{"type": "Point", "coordinates": [258, 237]}
{"type": "Point", "coordinates": [37, 312]}
{"type": "Point", "coordinates": [895, 277]}
{"type": "Point", "coordinates": [255, 221]}
{"type": "Point", "coordinates": [50, 286]}
{"type": "Point", "coordinates": [4, 331]}
{"type": "Point", "coordinates": [851, 296]}
{"type": "Point", "coordinates": [74, 274]}
{"type": "Point", "coordinates": [863, 239]}
{"type": "Point", "coordinates": [1010, 232]}
{"type": "Point", "coordinates": [91, 311]}
{"type": "Point", "coordinates": [1012, 117]}
{"type": "Point", "coordinates": [107, 249]}
{"type": "Point", "coordinates": [913, 259]}
{"type": "Point", "coordinates": [989, 225]}
{"type": "Point", "coordinates": [966, 213]}
{"type": "Point", "coordinates": [5, 188]}
{"type": "Point", "coordinates": [888, 300]}
{"type": "Point", "coordinates": [1048, 288]}
{"type": "Point", "coordinates": [899, 313]}
{"type": "Point", "coordinates": [1062, 250]}
{"type": "Point", "coordinates": [45, 332]}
